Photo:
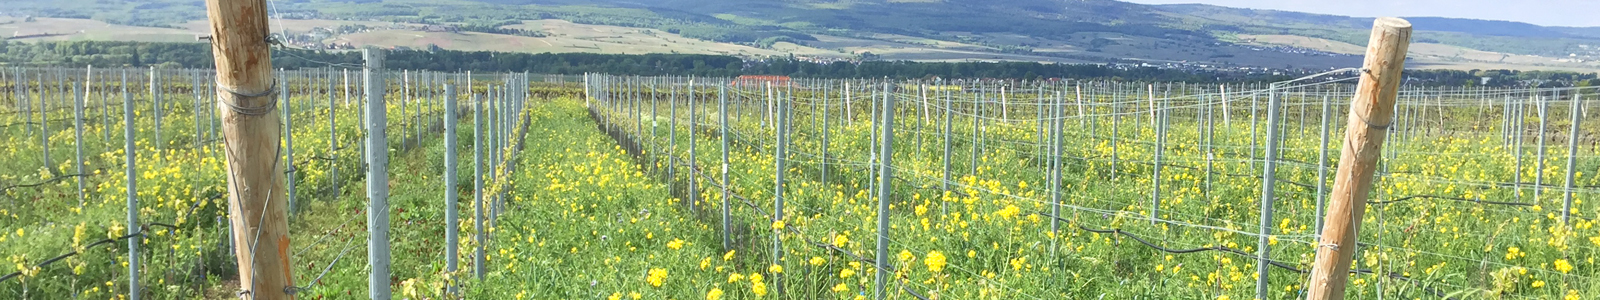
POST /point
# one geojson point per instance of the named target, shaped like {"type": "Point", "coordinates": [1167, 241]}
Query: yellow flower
{"type": "Point", "coordinates": [615, 296]}
{"type": "Point", "coordinates": [735, 277]}
{"type": "Point", "coordinates": [1538, 283]}
{"type": "Point", "coordinates": [115, 232]}
{"type": "Point", "coordinates": [777, 225]}
{"type": "Point", "coordinates": [818, 260]}
{"type": "Point", "coordinates": [906, 256]}
{"type": "Point", "coordinates": [657, 277]}
{"type": "Point", "coordinates": [409, 288]}
{"type": "Point", "coordinates": [1571, 295]}
{"type": "Point", "coordinates": [841, 240]}
{"type": "Point", "coordinates": [1009, 212]}
{"type": "Point", "coordinates": [714, 294]}
{"type": "Point", "coordinates": [675, 244]}
{"type": "Point", "coordinates": [705, 263]}
{"type": "Point", "coordinates": [846, 273]}
{"type": "Point", "coordinates": [759, 288]}
{"type": "Point", "coordinates": [1563, 266]}
{"type": "Point", "coordinates": [775, 269]}
{"type": "Point", "coordinates": [935, 261]}
{"type": "Point", "coordinates": [634, 295]}
{"type": "Point", "coordinates": [78, 233]}
{"type": "Point", "coordinates": [841, 287]}
{"type": "Point", "coordinates": [755, 277]}
{"type": "Point", "coordinates": [729, 256]}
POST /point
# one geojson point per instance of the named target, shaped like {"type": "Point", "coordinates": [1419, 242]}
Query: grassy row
{"type": "Point", "coordinates": [179, 185]}
{"type": "Point", "coordinates": [992, 241]}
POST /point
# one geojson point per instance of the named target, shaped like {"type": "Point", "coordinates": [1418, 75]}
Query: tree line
{"type": "Point", "coordinates": [198, 55]}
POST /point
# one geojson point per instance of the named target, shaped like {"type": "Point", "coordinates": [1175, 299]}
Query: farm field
{"type": "Point", "coordinates": [1447, 220]}
{"type": "Point", "coordinates": [1436, 56]}
{"type": "Point", "coordinates": [564, 36]}
{"type": "Point", "coordinates": [58, 246]}
{"type": "Point", "coordinates": [670, 187]}
{"type": "Point", "coordinates": [60, 29]}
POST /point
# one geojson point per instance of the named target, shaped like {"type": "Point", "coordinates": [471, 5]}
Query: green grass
{"type": "Point", "coordinates": [993, 228]}
{"type": "Point", "coordinates": [593, 216]}
{"type": "Point", "coordinates": [179, 185]}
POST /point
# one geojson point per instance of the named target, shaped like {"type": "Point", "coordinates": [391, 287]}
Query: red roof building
{"type": "Point", "coordinates": [760, 80]}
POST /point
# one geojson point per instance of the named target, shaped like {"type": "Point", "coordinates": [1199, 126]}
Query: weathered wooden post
{"type": "Point", "coordinates": [256, 195]}
{"type": "Point", "coordinates": [1370, 114]}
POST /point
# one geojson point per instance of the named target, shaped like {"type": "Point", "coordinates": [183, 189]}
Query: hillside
{"type": "Point", "coordinates": [1486, 35]}
{"type": "Point", "coordinates": [1184, 36]}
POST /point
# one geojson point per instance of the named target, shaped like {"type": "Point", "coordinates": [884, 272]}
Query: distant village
{"type": "Point", "coordinates": [314, 38]}
{"type": "Point", "coordinates": [324, 38]}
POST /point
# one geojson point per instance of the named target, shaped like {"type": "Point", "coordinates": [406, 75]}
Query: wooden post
{"type": "Point", "coordinates": [1370, 116]}
{"type": "Point", "coordinates": [256, 194]}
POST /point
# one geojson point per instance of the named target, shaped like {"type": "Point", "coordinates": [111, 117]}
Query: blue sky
{"type": "Point", "coordinates": [1540, 12]}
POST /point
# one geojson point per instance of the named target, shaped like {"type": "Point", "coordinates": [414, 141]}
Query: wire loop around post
{"type": "Point", "coordinates": [251, 111]}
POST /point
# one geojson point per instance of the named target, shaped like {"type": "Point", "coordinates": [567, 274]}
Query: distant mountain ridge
{"type": "Point", "coordinates": [1052, 18]}
{"type": "Point", "coordinates": [1443, 24]}
{"type": "Point", "coordinates": [1088, 30]}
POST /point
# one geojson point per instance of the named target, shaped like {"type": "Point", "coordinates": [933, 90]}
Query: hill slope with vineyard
{"type": "Point", "coordinates": [1095, 31]}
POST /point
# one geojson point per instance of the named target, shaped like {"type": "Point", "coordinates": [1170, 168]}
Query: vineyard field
{"type": "Point", "coordinates": [612, 187]}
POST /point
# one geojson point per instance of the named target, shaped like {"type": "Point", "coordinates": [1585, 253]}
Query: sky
{"type": "Point", "coordinates": [1538, 12]}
